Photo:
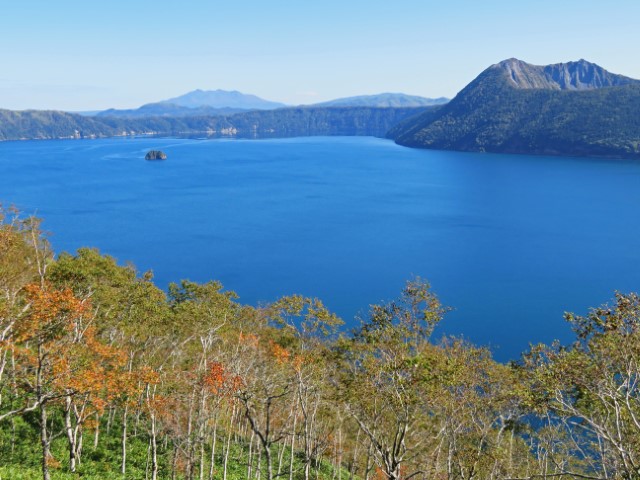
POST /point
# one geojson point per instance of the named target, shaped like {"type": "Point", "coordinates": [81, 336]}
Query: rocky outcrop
{"type": "Point", "coordinates": [580, 75]}
{"type": "Point", "coordinates": [155, 155]}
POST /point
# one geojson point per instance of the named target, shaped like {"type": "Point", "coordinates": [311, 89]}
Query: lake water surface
{"type": "Point", "coordinates": [511, 242]}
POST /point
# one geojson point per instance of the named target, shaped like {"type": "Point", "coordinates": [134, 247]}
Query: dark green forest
{"type": "Point", "coordinates": [104, 375]}
{"type": "Point", "coordinates": [284, 122]}
{"type": "Point", "coordinates": [493, 115]}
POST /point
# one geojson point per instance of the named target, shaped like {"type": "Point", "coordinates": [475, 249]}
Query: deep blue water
{"type": "Point", "coordinates": [511, 242]}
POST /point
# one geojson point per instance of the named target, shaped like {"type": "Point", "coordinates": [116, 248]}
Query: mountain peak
{"type": "Point", "coordinates": [222, 99]}
{"type": "Point", "coordinates": [515, 107]}
{"type": "Point", "coordinates": [510, 61]}
{"type": "Point", "coordinates": [575, 75]}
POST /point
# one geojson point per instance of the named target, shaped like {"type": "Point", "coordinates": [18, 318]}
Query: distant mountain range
{"type": "Point", "coordinates": [384, 100]}
{"type": "Point", "coordinates": [576, 108]}
{"type": "Point", "coordinates": [217, 113]}
{"type": "Point", "coordinates": [197, 103]}
{"type": "Point", "coordinates": [220, 102]}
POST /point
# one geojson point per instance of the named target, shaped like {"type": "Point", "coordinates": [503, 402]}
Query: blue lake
{"type": "Point", "coordinates": [511, 242]}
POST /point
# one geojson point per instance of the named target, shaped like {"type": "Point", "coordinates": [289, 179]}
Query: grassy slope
{"type": "Point", "coordinates": [23, 463]}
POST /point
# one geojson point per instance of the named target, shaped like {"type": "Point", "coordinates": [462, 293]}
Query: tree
{"type": "Point", "coordinates": [379, 377]}
{"type": "Point", "coordinates": [592, 391]}
{"type": "Point", "coordinates": [311, 326]}
{"type": "Point", "coordinates": [43, 341]}
{"type": "Point", "coordinates": [24, 257]}
{"type": "Point", "coordinates": [475, 410]}
{"type": "Point", "coordinates": [266, 392]}
{"type": "Point", "coordinates": [130, 314]}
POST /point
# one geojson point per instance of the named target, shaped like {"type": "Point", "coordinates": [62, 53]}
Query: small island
{"type": "Point", "coordinates": [155, 155]}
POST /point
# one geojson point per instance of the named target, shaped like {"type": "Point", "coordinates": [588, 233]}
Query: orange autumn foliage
{"type": "Point", "coordinates": [281, 354]}
{"type": "Point", "coordinates": [298, 362]}
{"type": "Point", "coordinates": [77, 362]}
{"type": "Point", "coordinates": [220, 382]}
{"type": "Point", "coordinates": [147, 375]}
{"type": "Point", "coordinates": [51, 313]}
{"type": "Point", "coordinates": [249, 339]}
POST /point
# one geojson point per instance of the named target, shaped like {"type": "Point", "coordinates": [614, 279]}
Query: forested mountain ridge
{"type": "Point", "coordinates": [169, 110]}
{"type": "Point", "coordinates": [513, 107]}
{"type": "Point", "coordinates": [50, 124]}
{"type": "Point", "coordinates": [284, 122]}
{"type": "Point", "coordinates": [383, 100]}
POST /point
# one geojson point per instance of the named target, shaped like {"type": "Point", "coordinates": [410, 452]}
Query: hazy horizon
{"type": "Point", "coordinates": [69, 56]}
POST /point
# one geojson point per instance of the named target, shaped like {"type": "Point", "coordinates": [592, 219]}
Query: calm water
{"type": "Point", "coordinates": [510, 241]}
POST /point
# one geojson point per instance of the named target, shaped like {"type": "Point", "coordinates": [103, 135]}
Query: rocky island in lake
{"type": "Point", "coordinates": [155, 155]}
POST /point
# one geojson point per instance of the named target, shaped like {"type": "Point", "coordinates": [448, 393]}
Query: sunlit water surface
{"type": "Point", "coordinates": [511, 242]}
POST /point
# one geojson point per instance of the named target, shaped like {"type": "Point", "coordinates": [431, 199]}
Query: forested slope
{"type": "Point", "coordinates": [514, 107]}
{"type": "Point", "coordinates": [285, 122]}
{"type": "Point", "coordinates": [105, 375]}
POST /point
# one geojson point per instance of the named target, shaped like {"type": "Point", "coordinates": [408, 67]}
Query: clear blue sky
{"type": "Point", "coordinates": [85, 55]}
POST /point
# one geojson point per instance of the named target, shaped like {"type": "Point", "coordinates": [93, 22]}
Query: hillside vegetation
{"type": "Point", "coordinates": [103, 375]}
{"type": "Point", "coordinates": [566, 109]}
{"type": "Point", "coordinates": [285, 122]}
{"type": "Point", "coordinates": [47, 124]}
